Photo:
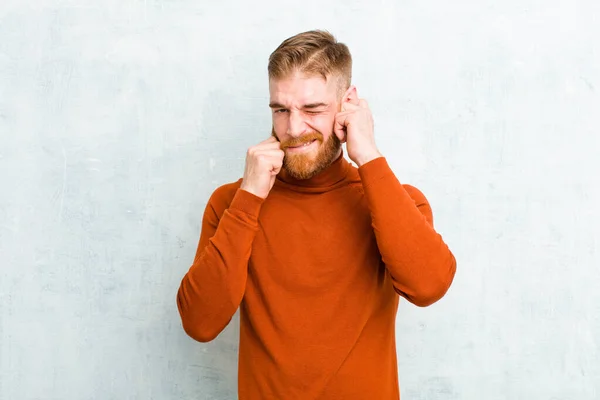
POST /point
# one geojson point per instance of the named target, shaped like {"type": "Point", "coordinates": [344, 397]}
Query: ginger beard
{"type": "Point", "coordinates": [306, 165]}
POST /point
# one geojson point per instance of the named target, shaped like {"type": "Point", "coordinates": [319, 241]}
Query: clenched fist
{"type": "Point", "coordinates": [263, 163]}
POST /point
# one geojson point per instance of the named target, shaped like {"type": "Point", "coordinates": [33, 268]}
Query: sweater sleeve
{"type": "Point", "coordinates": [420, 263]}
{"type": "Point", "coordinates": [213, 288]}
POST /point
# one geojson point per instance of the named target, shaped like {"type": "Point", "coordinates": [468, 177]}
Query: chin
{"type": "Point", "coordinates": [302, 175]}
{"type": "Point", "coordinates": [307, 165]}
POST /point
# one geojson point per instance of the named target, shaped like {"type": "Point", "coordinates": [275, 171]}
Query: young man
{"type": "Point", "coordinates": [312, 249]}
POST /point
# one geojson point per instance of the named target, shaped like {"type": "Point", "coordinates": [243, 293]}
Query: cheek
{"type": "Point", "coordinates": [323, 124]}
{"type": "Point", "coordinates": [279, 125]}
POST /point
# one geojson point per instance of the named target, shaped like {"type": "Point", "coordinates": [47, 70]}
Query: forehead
{"type": "Point", "coordinates": [302, 88]}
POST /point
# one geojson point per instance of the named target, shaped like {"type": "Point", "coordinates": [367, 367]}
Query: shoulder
{"type": "Point", "coordinates": [222, 196]}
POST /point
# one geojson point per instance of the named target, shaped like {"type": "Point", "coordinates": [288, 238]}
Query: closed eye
{"type": "Point", "coordinates": [283, 110]}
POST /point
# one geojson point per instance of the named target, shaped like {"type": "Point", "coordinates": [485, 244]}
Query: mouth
{"type": "Point", "coordinates": [303, 146]}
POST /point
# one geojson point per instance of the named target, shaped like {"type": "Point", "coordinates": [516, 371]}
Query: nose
{"type": "Point", "coordinates": [296, 124]}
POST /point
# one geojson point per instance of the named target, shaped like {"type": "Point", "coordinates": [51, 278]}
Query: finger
{"type": "Point", "coordinates": [270, 161]}
{"type": "Point", "coordinates": [276, 169]}
{"type": "Point", "coordinates": [343, 118]}
{"type": "Point", "coordinates": [269, 153]}
{"type": "Point", "coordinates": [271, 139]}
{"type": "Point", "coordinates": [339, 127]}
{"type": "Point", "coordinates": [344, 114]}
{"type": "Point", "coordinates": [349, 106]}
{"type": "Point", "coordinates": [266, 153]}
{"type": "Point", "coordinates": [362, 103]}
{"type": "Point", "coordinates": [269, 145]}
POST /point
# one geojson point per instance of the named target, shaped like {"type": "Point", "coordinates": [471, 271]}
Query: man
{"type": "Point", "coordinates": [313, 250]}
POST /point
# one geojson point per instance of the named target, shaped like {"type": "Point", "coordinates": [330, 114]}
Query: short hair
{"type": "Point", "coordinates": [315, 52]}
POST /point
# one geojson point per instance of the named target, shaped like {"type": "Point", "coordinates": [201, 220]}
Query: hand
{"type": "Point", "coordinates": [354, 126]}
{"type": "Point", "coordinates": [263, 163]}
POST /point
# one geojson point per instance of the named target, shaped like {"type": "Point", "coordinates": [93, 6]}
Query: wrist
{"type": "Point", "coordinates": [360, 161]}
{"type": "Point", "coordinates": [251, 191]}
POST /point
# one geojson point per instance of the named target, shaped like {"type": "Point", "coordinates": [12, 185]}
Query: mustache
{"type": "Point", "coordinates": [306, 138]}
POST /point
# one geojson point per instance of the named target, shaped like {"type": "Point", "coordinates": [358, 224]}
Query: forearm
{"type": "Point", "coordinates": [420, 263]}
{"type": "Point", "coordinates": [214, 286]}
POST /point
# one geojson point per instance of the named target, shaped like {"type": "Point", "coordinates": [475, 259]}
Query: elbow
{"type": "Point", "coordinates": [427, 298]}
{"type": "Point", "coordinates": [198, 332]}
{"type": "Point", "coordinates": [194, 325]}
{"type": "Point", "coordinates": [436, 286]}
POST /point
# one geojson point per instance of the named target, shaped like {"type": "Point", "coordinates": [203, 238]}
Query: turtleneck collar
{"type": "Point", "coordinates": [327, 179]}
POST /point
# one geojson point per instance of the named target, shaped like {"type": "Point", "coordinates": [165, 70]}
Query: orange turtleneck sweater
{"type": "Point", "coordinates": [316, 268]}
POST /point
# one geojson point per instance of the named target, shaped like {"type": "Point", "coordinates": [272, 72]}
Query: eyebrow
{"type": "Point", "coordinates": [306, 106]}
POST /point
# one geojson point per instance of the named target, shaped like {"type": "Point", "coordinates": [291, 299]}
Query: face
{"type": "Point", "coordinates": [303, 109]}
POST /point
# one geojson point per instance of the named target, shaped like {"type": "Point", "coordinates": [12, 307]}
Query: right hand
{"type": "Point", "coordinates": [263, 163]}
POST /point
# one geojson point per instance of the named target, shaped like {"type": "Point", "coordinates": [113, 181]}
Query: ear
{"type": "Point", "coordinates": [351, 96]}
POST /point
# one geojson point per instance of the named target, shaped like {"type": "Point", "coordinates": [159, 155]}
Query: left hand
{"type": "Point", "coordinates": [354, 126]}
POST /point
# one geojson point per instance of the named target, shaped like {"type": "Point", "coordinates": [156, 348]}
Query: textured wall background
{"type": "Point", "coordinates": [119, 118]}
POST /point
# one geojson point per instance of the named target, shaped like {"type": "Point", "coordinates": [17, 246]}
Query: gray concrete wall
{"type": "Point", "coordinates": [119, 118]}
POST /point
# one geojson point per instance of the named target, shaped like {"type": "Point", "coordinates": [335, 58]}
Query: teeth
{"type": "Point", "coordinates": [303, 145]}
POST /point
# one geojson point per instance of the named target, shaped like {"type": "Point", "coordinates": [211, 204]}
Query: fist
{"type": "Point", "coordinates": [354, 126]}
{"type": "Point", "coordinates": [263, 163]}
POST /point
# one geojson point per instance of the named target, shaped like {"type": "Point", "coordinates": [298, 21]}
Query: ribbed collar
{"type": "Point", "coordinates": [327, 179]}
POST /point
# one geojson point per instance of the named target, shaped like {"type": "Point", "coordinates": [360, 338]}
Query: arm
{"type": "Point", "coordinates": [421, 265]}
{"type": "Point", "coordinates": [212, 289]}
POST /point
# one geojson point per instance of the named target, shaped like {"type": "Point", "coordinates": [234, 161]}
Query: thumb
{"type": "Point", "coordinates": [339, 127]}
